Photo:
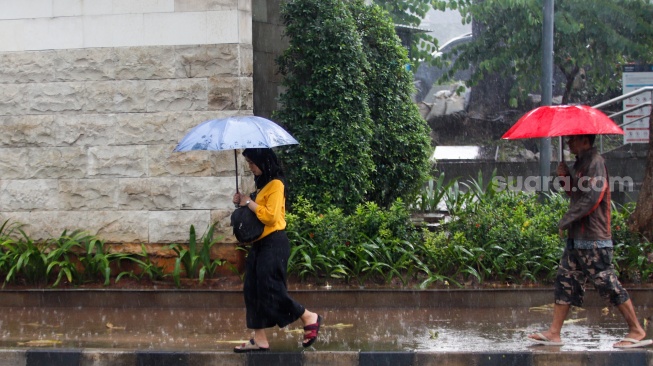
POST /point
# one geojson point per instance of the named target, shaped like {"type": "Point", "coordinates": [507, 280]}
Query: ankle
{"type": "Point", "coordinates": [306, 316]}
{"type": "Point", "coordinates": [639, 332]}
{"type": "Point", "coordinates": [554, 333]}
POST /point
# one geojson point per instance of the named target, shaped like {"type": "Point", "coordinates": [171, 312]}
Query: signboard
{"type": "Point", "coordinates": [636, 77]}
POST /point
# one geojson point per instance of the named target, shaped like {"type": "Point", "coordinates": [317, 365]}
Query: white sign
{"type": "Point", "coordinates": [636, 77]}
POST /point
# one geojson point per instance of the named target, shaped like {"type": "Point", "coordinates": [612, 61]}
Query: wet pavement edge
{"type": "Point", "coordinates": [105, 357]}
{"type": "Point", "coordinates": [536, 356]}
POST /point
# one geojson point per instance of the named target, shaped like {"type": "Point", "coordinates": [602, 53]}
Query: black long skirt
{"type": "Point", "coordinates": [266, 293]}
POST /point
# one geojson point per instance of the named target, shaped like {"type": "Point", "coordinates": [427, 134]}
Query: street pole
{"type": "Point", "coordinates": [547, 88]}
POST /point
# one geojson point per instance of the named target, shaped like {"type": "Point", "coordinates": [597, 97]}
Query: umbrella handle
{"type": "Point", "coordinates": [236, 161]}
{"type": "Point", "coordinates": [560, 154]}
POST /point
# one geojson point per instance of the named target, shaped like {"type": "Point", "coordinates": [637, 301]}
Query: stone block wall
{"type": "Point", "coordinates": [268, 42]}
{"type": "Point", "coordinates": [91, 111]}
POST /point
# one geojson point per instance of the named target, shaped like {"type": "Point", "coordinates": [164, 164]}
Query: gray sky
{"type": "Point", "coordinates": [445, 25]}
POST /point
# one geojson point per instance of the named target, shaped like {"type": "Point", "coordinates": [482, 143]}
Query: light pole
{"type": "Point", "coordinates": [547, 88]}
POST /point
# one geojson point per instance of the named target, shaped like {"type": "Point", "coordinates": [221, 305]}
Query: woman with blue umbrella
{"type": "Point", "coordinates": [266, 296]}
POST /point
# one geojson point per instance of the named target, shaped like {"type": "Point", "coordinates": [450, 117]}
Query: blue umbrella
{"type": "Point", "coordinates": [238, 132]}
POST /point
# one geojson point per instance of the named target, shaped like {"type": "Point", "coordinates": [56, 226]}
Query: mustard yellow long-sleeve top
{"type": "Point", "coordinates": [271, 209]}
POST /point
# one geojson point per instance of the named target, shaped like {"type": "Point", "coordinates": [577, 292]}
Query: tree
{"type": "Point", "coordinates": [400, 146]}
{"type": "Point", "coordinates": [596, 36]}
{"type": "Point", "coordinates": [599, 36]}
{"type": "Point", "coordinates": [411, 13]}
{"type": "Point", "coordinates": [325, 104]}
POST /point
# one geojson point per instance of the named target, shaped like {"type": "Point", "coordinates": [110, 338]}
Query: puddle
{"type": "Point", "coordinates": [354, 329]}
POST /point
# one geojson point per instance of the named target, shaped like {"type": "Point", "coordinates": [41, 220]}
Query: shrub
{"type": "Point", "coordinates": [370, 243]}
{"type": "Point", "coordinates": [23, 259]}
{"type": "Point", "coordinates": [325, 105]}
{"type": "Point", "coordinates": [401, 142]}
{"type": "Point", "coordinates": [505, 236]}
{"type": "Point", "coordinates": [349, 103]}
{"type": "Point", "coordinates": [431, 194]}
{"type": "Point", "coordinates": [633, 254]}
{"type": "Point", "coordinates": [79, 257]}
{"type": "Point", "coordinates": [195, 258]}
{"type": "Point", "coordinates": [76, 257]}
{"type": "Point", "coordinates": [96, 261]}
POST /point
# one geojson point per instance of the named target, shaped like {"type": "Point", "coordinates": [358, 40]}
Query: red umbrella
{"type": "Point", "coordinates": [562, 120]}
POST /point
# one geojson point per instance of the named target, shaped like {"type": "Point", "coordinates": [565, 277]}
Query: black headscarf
{"type": "Point", "coordinates": [267, 162]}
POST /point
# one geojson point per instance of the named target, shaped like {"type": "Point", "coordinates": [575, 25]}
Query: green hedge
{"type": "Point", "coordinates": [493, 236]}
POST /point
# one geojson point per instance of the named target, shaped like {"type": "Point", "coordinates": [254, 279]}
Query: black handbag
{"type": "Point", "coordinates": [247, 227]}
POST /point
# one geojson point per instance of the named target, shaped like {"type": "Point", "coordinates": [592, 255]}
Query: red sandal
{"type": "Point", "coordinates": [313, 329]}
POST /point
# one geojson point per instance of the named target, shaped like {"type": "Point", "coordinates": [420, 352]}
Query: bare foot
{"type": "Point", "coordinates": [632, 335]}
{"type": "Point", "coordinates": [549, 336]}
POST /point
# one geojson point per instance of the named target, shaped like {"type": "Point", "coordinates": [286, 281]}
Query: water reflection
{"type": "Point", "coordinates": [433, 329]}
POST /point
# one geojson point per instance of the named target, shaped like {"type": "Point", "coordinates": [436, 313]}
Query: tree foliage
{"type": "Point", "coordinates": [325, 104]}
{"type": "Point", "coordinates": [401, 143]}
{"type": "Point", "coordinates": [599, 36]}
{"type": "Point", "coordinates": [348, 103]}
{"type": "Point", "coordinates": [596, 36]}
{"type": "Point", "coordinates": [411, 13]}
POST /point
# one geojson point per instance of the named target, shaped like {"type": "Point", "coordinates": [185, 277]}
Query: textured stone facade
{"type": "Point", "coordinates": [86, 135]}
{"type": "Point", "coordinates": [268, 43]}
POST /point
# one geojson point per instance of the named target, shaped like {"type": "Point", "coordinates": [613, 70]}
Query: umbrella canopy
{"type": "Point", "coordinates": [562, 120]}
{"type": "Point", "coordinates": [237, 132]}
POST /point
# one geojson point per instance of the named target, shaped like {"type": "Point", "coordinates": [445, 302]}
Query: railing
{"type": "Point", "coordinates": [621, 98]}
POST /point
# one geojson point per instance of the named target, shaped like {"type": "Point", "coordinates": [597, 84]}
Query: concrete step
{"type": "Point", "coordinates": [108, 357]}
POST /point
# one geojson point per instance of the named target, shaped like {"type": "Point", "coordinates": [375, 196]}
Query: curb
{"type": "Point", "coordinates": [392, 299]}
{"type": "Point", "coordinates": [103, 357]}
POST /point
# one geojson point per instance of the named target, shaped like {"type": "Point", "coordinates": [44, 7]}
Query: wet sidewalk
{"type": "Point", "coordinates": [367, 327]}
